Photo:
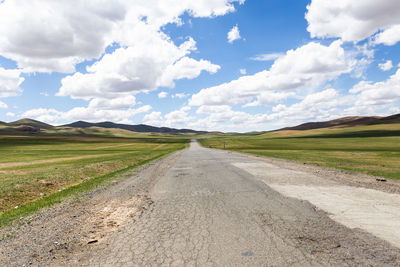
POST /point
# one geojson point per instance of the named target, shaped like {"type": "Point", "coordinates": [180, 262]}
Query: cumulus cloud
{"type": "Point", "coordinates": [388, 65]}
{"type": "Point", "coordinates": [317, 106]}
{"type": "Point", "coordinates": [322, 105]}
{"type": "Point", "coordinates": [354, 20]}
{"type": "Point", "coordinates": [95, 115]}
{"type": "Point", "coordinates": [243, 71]}
{"type": "Point", "coordinates": [390, 36]}
{"type": "Point", "coordinates": [234, 34]}
{"type": "Point", "coordinates": [113, 103]}
{"type": "Point", "coordinates": [10, 81]}
{"type": "Point", "coordinates": [43, 114]}
{"type": "Point", "coordinates": [176, 119]}
{"type": "Point", "coordinates": [306, 67]}
{"type": "Point", "coordinates": [162, 94]}
{"type": "Point", "coordinates": [145, 65]}
{"type": "Point", "coordinates": [64, 33]}
{"type": "Point", "coordinates": [10, 114]}
{"type": "Point", "coordinates": [369, 97]}
{"type": "Point", "coordinates": [90, 114]}
{"type": "Point", "coordinates": [154, 118]}
{"type": "Point", "coordinates": [127, 70]}
{"type": "Point", "coordinates": [186, 68]}
{"type": "Point", "coordinates": [59, 37]}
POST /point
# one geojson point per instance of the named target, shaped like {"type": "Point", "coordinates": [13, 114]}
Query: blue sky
{"type": "Point", "coordinates": [229, 65]}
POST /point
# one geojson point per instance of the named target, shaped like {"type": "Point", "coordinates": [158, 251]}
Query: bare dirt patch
{"type": "Point", "coordinates": [105, 220]}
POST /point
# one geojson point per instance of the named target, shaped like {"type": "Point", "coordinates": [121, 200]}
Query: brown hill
{"type": "Point", "coordinates": [346, 122]}
{"type": "Point", "coordinates": [30, 123]}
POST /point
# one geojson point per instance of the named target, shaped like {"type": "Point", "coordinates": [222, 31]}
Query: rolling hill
{"type": "Point", "coordinates": [29, 126]}
{"type": "Point", "coordinates": [30, 122]}
{"type": "Point", "coordinates": [346, 122]}
{"type": "Point", "coordinates": [140, 128]}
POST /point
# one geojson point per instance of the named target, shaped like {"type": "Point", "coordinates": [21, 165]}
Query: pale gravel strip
{"type": "Point", "coordinates": [373, 211]}
{"type": "Point", "coordinates": [356, 207]}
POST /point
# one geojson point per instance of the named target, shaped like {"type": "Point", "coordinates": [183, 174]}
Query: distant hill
{"type": "Point", "coordinates": [24, 126]}
{"type": "Point", "coordinates": [346, 122]}
{"type": "Point", "coordinates": [29, 126]}
{"type": "Point", "coordinates": [141, 128]}
{"type": "Point", "coordinates": [32, 123]}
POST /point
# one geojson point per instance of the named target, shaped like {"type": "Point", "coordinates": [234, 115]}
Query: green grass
{"type": "Point", "coordinates": [371, 150]}
{"type": "Point", "coordinates": [39, 171]}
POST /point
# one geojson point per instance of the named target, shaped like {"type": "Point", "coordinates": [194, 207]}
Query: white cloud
{"type": "Point", "coordinates": [10, 81]}
{"type": "Point", "coordinates": [95, 115]}
{"type": "Point", "coordinates": [370, 97]}
{"type": "Point", "coordinates": [122, 102]}
{"type": "Point", "coordinates": [388, 65]}
{"type": "Point", "coordinates": [353, 20]}
{"type": "Point", "coordinates": [145, 65]}
{"type": "Point", "coordinates": [186, 68]}
{"type": "Point", "coordinates": [91, 114]}
{"type": "Point", "coordinates": [58, 36]}
{"type": "Point", "coordinates": [162, 95]}
{"type": "Point", "coordinates": [10, 114]}
{"type": "Point", "coordinates": [306, 67]}
{"type": "Point", "coordinates": [180, 95]}
{"type": "Point", "coordinates": [233, 34]}
{"type": "Point", "coordinates": [3, 105]}
{"type": "Point", "coordinates": [127, 70]}
{"type": "Point", "coordinates": [176, 119]}
{"type": "Point", "coordinates": [316, 106]}
{"type": "Point", "coordinates": [44, 93]}
{"type": "Point", "coordinates": [267, 57]}
{"type": "Point", "coordinates": [322, 105]}
{"type": "Point", "coordinates": [43, 114]}
{"type": "Point", "coordinates": [154, 118]}
{"type": "Point", "coordinates": [63, 33]}
{"type": "Point", "coordinates": [389, 36]}
{"type": "Point", "coordinates": [243, 71]}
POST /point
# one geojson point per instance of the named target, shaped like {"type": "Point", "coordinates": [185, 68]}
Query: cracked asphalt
{"type": "Point", "coordinates": [200, 207]}
{"type": "Point", "coordinates": [207, 212]}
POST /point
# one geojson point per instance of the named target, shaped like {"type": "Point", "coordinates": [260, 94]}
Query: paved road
{"type": "Point", "coordinates": [209, 212]}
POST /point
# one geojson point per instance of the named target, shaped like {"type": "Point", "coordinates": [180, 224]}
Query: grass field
{"type": "Point", "coordinates": [36, 171]}
{"type": "Point", "coordinates": [371, 150]}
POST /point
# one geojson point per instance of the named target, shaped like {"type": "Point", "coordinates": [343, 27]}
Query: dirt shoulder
{"type": "Point", "coordinates": [81, 225]}
{"type": "Point", "coordinates": [353, 200]}
{"type": "Point", "coordinates": [335, 175]}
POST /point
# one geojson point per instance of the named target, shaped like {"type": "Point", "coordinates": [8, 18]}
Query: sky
{"type": "Point", "coordinates": [217, 65]}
